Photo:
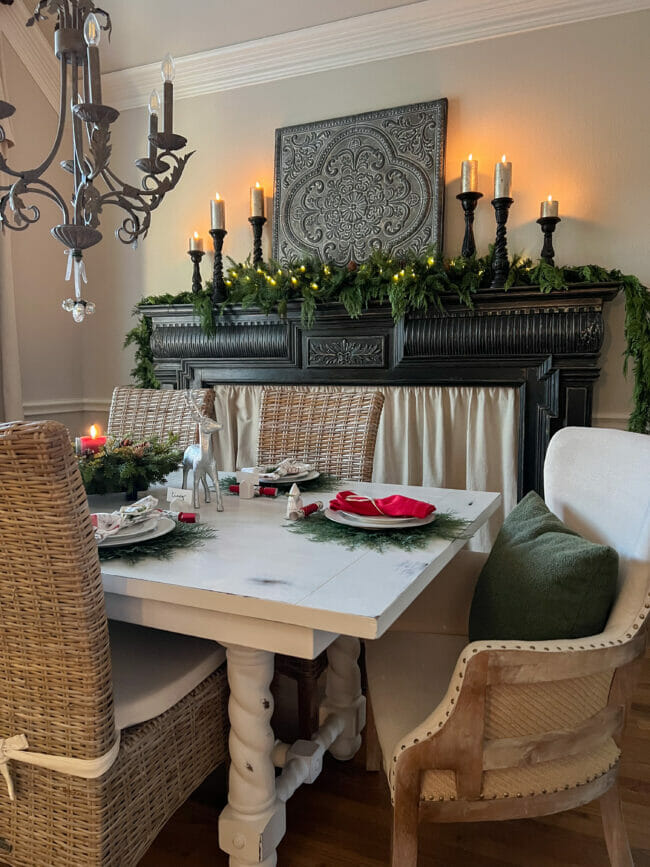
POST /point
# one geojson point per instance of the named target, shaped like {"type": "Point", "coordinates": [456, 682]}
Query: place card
{"type": "Point", "coordinates": [183, 494]}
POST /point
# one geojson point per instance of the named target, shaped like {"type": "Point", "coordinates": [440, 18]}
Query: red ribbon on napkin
{"type": "Point", "coordinates": [394, 506]}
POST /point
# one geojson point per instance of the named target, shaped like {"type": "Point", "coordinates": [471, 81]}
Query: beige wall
{"type": "Point", "coordinates": [50, 343]}
{"type": "Point", "coordinates": [568, 105]}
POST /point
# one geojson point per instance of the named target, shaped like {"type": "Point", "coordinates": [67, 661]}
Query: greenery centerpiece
{"type": "Point", "coordinates": [130, 465]}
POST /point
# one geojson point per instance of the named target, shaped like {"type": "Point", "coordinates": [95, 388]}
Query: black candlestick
{"type": "Point", "coordinates": [218, 286]}
{"type": "Point", "coordinates": [196, 256]}
{"type": "Point", "coordinates": [548, 225]}
{"type": "Point", "coordinates": [500, 264]}
{"type": "Point", "coordinates": [257, 224]}
{"type": "Point", "coordinates": [469, 201]}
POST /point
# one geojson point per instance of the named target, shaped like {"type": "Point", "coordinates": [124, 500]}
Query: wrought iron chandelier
{"type": "Point", "coordinates": [95, 185]}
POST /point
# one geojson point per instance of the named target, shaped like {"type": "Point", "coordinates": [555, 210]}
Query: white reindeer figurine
{"type": "Point", "coordinates": [200, 457]}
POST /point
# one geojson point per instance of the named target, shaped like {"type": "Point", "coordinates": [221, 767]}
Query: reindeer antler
{"type": "Point", "coordinates": [195, 409]}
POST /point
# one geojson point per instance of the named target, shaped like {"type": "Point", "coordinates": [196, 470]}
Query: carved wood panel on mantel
{"type": "Point", "coordinates": [546, 346]}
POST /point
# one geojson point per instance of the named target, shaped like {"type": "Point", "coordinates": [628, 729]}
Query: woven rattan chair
{"type": "Point", "coordinates": [80, 700]}
{"type": "Point", "coordinates": [511, 729]}
{"type": "Point", "coordinates": [337, 432]}
{"type": "Point", "coordinates": [142, 412]}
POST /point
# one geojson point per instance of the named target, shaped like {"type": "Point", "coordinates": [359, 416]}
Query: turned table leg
{"type": "Point", "coordinates": [253, 822]}
{"type": "Point", "coordinates": [343, 695]}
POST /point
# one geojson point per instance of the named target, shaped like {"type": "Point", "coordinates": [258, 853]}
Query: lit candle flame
{"type": "Point", "coordinates": [503, 158]}
{"type": "Point", "coordinates": [550, 199]}
{"type": "Point", "coordinates": [217, 197]}
{"type": "Point", "coordinates": [257, 184]}
{"type": "Point", "coordinates": [93, 431]}
{"type": "Point", "coordinates": [196, 236]}
{"type": "Point", "coordinates": [469, 157]}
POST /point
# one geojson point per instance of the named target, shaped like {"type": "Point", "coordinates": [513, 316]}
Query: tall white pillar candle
{"type": "Point", "coordinates": [257, 201]}
{"type": "Point", "coordinates": [502, 179]}
{"type": "Point", "coordinates": [469, 175]}
{"type": "Point", "coordinates": [218, 212]}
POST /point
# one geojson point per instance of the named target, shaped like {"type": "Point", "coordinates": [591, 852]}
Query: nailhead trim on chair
{"type": "Point", "coordinates": [530, 793]}
{"type": "Point", "coordinates": [447, 704]}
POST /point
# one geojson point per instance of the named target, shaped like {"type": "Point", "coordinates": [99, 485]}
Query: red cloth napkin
{"type": "Point", "coordinates": [395, 506]}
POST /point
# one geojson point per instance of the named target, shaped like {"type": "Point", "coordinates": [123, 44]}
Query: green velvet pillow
{"type": "Point", "coordinates": [542, 581]}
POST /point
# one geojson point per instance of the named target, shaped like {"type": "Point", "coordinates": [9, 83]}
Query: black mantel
{"type": "Point", "coordinates": [547, 346]}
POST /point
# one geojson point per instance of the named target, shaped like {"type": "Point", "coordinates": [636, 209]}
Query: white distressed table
{"type": "Point", "coordinates": [259, 589]}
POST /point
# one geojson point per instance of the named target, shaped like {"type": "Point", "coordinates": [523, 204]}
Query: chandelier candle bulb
{"type": "Point", "coordinates": [549, 208]}
{"type": "Point", "coordinates": [218, 212]}
{"type": "Point", "coordinates": [469, 175]}
{"type": "Point", "coordinates": [502, 179]}
{"type": "Point", "coordinates": [168, 70]}
{"type": "Point", "coordinates": [257, 200]}
{"type": "Point", "coordinates": [92, 35]}
{"type": "Point", "coordinates": [154, 112]}
{"type": "Point", "coordinates": [196, 243]}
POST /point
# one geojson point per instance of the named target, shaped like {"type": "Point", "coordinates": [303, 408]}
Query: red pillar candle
{"type": "Point", "coordinates": [92, 443]}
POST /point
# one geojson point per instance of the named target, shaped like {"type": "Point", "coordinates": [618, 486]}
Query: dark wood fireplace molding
{"type": "Point", "coordinates": [546, 346]}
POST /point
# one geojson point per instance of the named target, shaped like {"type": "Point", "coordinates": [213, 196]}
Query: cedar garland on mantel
{"type": "Point", "coordinates": [411, 284]}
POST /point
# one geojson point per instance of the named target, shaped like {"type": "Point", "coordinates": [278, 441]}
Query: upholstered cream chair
{"type": "Point", "coordinates": [513, 729]}
{"type": "Point", "coordinates": [102, 736]}
{"type": "Point", "coordinates": [337, 431]}
{"type": "Point", "coordinates": [142, 412]}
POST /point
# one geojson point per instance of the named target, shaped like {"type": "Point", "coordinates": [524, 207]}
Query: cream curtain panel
{"type": "Point", "coordinates": [11, 399]}
{"type": "Point", "coordinates": [448, 437]}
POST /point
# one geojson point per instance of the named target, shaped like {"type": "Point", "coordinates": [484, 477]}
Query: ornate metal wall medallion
{"type": "Point", "coordinates": [348, 186]}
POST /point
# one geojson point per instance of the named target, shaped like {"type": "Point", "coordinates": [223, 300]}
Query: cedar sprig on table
{"type": "Point", "coordinates": [182, 537]}
{"type": "Point", "coordinates": [318, 528]}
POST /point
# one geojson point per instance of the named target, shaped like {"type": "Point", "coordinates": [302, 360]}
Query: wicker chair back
{"type": "Point", "coordinates": [55, 665]}
{"type": "Point", "coordinates": [143, 412]}
{"type": "Point", "coordinates": [336, 430]}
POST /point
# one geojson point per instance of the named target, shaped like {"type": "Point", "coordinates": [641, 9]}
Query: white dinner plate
{"type": "Point", "coordinates": [371, 523]}
{"type": "Point", "coordinates": [136, 528]}
{"type": "Point", "coordinates": [161, 527]}
{"type": "Point", "coordinates": [289, 480]}
{"type": "Point", "coordinates": [379, 520]}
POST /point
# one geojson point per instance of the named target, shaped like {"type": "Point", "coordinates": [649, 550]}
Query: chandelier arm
{"type": "Point", "coordinates": [109, 177]}
{"type": "Point", "coordinates": [77, 130]}
{"type": "Point", "coordinates": [50, 192]}
{"type": "Point", "coordinates": [19, 210]}
{"type": "Point", "coordinates": [33, 174]}
{"type": "Point", "coordinates": [132, 227]}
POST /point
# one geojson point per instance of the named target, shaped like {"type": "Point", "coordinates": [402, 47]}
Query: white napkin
{"type": "Point", "coordinates": [287, 467]}
{"type": "Point", "coordinates": [109, 523]}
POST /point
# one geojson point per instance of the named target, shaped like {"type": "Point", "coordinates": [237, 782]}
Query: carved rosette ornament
{"type": "Point", "coordinates": [79, 24]}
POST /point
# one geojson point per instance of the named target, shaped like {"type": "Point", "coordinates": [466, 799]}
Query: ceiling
{"type": "Point", "coordinates": [145, 30]}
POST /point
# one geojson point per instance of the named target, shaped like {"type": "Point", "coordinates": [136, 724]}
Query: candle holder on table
{"type": "Point", "coordinates": [500, 264]}
{"type": "Point", "coordinates": [257, 223]}
{"type": "Point", "coordinates": [548, 225]}
{"type": "Point", "coordinates": [196, 256]}
{"type": "Point", "coordinates": [469, 200]}
{"type": "Point", "coordinates": [218, 285]}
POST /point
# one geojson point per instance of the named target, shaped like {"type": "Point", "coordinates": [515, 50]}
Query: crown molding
{"type": "Point", "coordinates": [33, 49]}
{"type": "Point", "coordinates": [421, 26]}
